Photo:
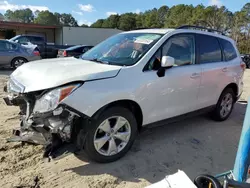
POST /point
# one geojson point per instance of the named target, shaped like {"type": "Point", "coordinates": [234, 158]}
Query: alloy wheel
{"type": "Point", "coordinates": [226, 105]}
{"type": "Point", "coordinates": [112, 136]}
{"type": "Point", "coordinates": [18, 62]}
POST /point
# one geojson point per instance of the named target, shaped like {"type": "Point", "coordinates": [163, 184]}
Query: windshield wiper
{"type": "Point", "coordinates": [98, 61]}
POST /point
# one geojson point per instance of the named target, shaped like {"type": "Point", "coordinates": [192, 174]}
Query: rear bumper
{"type": "Point", "coordinates": [34, 58]}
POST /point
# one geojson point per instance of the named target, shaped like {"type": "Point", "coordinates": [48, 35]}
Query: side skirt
{"type": "Point", "coordinates": [180, 117]}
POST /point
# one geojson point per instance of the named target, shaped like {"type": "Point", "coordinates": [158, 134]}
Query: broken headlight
{"type": "Point", "coordinates": [14, 86]}
{"type": "Point", "coordinates": [49, 101]}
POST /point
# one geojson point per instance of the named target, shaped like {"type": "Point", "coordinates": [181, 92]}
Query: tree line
{"type": "Point", "coordinates": [39, 17]}
{"type": "Point", "coordinates": [236, 25]}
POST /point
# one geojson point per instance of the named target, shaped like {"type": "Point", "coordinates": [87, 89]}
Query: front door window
{"type": "Point", "coordinates": [181, 48]}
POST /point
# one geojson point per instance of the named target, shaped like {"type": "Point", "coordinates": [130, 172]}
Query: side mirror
{"type": "Point", "coordinates": [166, 63]}
{"type": "Point", "coordinates": [16, 41]}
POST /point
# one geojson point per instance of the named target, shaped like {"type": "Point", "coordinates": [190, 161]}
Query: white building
{"type": "Point", "coordinates": [80, 35]}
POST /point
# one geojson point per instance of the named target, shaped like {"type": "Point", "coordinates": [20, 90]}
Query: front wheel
{"type": "Point", "coordinates": [224, 106]}
{"type": "Point", "coordinates": [110, 135]}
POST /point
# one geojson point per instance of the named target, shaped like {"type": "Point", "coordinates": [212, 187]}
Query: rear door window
{"type": "Point", "coordinates": [228, 49]}
{"type": "Point", "coordinates": [209, 48]}
{"type": "Point", "coordinates": [23, 40]}
{"type": "Point", "coordinates": [36, 39]}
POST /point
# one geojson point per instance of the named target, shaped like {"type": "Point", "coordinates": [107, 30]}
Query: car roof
{"type": "Point", "coordinates": [156, 31]}
{"type": "Point", "coordinates": [168, 30]}
{"type": "Point", "coordinates": [32, 35]}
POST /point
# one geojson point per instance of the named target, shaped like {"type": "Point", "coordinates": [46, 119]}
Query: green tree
{"type": "Point", "coordinates": [139, 20]}
{"type": "Point", "coordinates": [47, 18]}
{"type": "Point", "coordinates": [198, 16]}
{"type": "Point", "coordinates": [58, 17]}
{"type": "Point", "coordinates": [67, 20]}
{"type": "Point", "coordinates": [179, 15]}
{"type": "Point", "coordinates": [98, 23]}
{"type": "Point", "coordinates": [127, 21]}
{"type": "Point", "coordinates": [151, 19]}
{"type": "Point", "coordinates": [162, 12]}
{"type": "Point", "coordinates": [111, 22]}
{"type": "Point", "coordinates": [22, 15]}
{"type": "Point", "coordinates": [218, 18]}
{"type": "Point", "coordinates": [84, 25]}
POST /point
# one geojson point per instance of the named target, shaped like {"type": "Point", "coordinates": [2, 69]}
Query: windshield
{"type": "Point", "coordinates": [14, 38]}
{"type": "Point", "coordinates": [122, 49]}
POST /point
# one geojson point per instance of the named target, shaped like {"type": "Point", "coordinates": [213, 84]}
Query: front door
{"type": "Point", "coordinates": [176, 93]}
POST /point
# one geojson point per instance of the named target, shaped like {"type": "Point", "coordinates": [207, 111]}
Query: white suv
{"type": "Point", "coordinates": [100, 101]}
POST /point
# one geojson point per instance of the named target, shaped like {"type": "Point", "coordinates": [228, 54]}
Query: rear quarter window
{"type": "Point", "coordinates": [209, 49]}
{"type": "Point", "coordinates": [228, 50]}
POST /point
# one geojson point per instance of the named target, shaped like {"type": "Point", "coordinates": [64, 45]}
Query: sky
{"type": "Point", "coordinates": [88, 11]}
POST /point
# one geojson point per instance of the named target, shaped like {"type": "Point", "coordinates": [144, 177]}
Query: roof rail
{"type": "Point", "coordinates": [201, 28]}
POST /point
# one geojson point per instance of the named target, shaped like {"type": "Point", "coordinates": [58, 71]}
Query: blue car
{"type": "Point", "coordinates": [13, 55]}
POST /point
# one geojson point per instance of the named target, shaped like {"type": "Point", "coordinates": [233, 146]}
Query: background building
{"type": "Point", "coordinates": [59, 35]}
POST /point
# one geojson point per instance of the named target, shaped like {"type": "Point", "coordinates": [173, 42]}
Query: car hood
{"type": "Point", "coordinates": [49, 73]}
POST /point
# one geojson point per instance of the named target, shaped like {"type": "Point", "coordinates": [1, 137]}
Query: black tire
{"type": "Point", "coordinates": [89, 146]}
{"type": "Point", "coordinates": [13, 62]}
{"type": "Point", "coordinates": [216, 113]}
{"type": "Point", "coordinates": [248, 64]}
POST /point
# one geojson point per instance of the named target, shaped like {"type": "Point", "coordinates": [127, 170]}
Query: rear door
{"type": "Point", "coordinates": [214, 70]}
{"type": "Point", "coordinates": [6, 54]}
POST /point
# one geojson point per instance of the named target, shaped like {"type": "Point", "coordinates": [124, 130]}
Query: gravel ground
{"type": "Point", "coordinates": [196, 145]}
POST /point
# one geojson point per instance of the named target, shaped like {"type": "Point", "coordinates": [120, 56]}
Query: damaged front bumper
{"type": "Point", "coordinates": [58, 130]}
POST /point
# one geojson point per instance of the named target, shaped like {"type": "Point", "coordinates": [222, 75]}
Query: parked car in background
{"type": "Point", "coordinates": [14, 55]}
{"type": "Point", "coordinates": [47, 50]}
{"type": "Point", "coordinates": [74, 51]}
{"type": "Point", "coordinates": [246, 59]}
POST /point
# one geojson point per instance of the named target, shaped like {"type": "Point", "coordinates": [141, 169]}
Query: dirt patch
{"type": "Point", "coordinates": [197, 145]}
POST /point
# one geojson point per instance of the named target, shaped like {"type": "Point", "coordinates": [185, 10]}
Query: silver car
{"type": "Point", "coordinates": [14, 55]}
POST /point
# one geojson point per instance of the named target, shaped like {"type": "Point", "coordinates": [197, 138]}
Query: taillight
{"type": "Point", "coordinates": [36, 53]}
{"type": "Point", "coordinates": [243, 65]}
{"type": "Point", "coordinates": [64, 53]}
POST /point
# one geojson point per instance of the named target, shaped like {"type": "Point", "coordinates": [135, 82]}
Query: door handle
{"type": "Point", "coordinates": [224, 69]}
{"type": "Point", "coordinates": [195, 75]}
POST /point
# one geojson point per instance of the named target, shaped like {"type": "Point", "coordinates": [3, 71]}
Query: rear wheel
{"type": "Point", "coordinates": [17, 62]}
{"type": "Point", "coordinates": [224, 105]}
{"type": "Point", "coordinates": [111, 135]}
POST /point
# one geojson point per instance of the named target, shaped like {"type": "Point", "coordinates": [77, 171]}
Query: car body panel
{"type": "Point", "coordinates": [158, 98]}
{"type": "Point", "coordinates": [50, 73]}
